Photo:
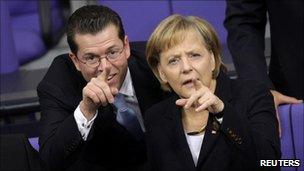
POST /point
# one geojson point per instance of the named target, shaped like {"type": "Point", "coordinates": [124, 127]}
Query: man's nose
{"type": "Point", "coordinates": [104, 63]}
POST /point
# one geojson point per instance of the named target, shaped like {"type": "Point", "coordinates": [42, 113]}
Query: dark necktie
{"type": "Point", "coordinates": [127, 117]}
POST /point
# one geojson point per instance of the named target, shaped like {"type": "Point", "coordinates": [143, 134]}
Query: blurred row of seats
{"type": "Point", "coordinates": [28, 29]}
{"type": "Point", "coordinates": [141, 17]}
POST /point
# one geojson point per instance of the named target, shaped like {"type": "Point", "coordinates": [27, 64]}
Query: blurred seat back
{"type": "Point", "coordinates": [212, 11]}
{"type": "Point", "coordinates": [8, 59]}
{"type": "Point", "coordinates": [34, 143]}
{"type": "Point", "coordinates": [292, 127]}
{"type": "Point", "coordinates": [33, 26]}
{"type": "Point", "coordinates": [139, 17]}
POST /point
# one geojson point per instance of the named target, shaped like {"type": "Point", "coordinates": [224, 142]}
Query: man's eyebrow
{"type": "Point", "coordinates": [108, 49]}
{"type": "Point", "coordinates": [111, 48]}
{"type": "Point", "coordinates": [90, 54]}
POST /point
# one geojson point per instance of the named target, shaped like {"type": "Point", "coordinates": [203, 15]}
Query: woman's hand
{"type": "Point", "coordinates": [202, 99]}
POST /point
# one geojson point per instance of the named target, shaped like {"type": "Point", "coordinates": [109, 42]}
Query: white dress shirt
{"type": "Point", "coordinates": [195, 144]}
{"type": "Point", "coordinates": [127, 89]}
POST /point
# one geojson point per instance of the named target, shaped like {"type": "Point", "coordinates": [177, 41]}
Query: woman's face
{"type": "Point", "coordinates": [188, 61]}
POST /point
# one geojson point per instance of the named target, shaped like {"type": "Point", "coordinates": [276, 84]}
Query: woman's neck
{"type": "Point", "coordinates": [194, 121]}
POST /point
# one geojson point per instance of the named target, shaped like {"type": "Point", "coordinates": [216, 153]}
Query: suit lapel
{"type": "Point", "coordinates": [176, 134]}
{"type": "Point", "coordinates": [146, 86]}
{"type": "Point", "coordinates": [105, 118]}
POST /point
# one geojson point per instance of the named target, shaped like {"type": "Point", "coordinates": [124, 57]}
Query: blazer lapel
{"type": "Point", "coordinates": [176, 134]}
{"type": "Point", "coordinates": [223, 91]}
{"type": "Point", "coordinates": [209, 141]}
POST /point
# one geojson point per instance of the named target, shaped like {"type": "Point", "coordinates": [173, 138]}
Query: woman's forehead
{"type": "Point", "coordinates": [179, 37]}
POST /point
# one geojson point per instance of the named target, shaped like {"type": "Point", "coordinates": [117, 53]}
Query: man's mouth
{"type": "Point", "coordinates": [111, 76]}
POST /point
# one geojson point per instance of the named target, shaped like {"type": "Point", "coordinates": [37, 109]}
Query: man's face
{"type": "Point", "coordinates": [98, 46]}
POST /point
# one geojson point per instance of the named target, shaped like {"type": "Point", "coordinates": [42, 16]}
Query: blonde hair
{"type": "Point", "coordinates": [172, 31]}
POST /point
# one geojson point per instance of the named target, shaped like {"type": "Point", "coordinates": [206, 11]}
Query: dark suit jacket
{"type": "Point", "coordinates": [109, 145]}
{"type": "Point", "coordinates": [246, 21]}
{"type": "Point", "coordinates": [248, 131]}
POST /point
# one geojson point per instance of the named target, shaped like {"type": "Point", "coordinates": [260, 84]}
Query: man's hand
{"type": "Point", "coordinates": [279, 99]}
{"type": "Point", "coordinates": [202, 99]}
{"type": "Point", "coordinates": [96, 93]}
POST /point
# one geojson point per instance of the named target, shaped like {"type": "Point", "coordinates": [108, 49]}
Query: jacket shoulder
{"type": "Point", "coordinates": [155, 113]}
{"type": "Point", "coordinates": [61, 72]}
{"type": "Point", "coordinates": [62, 82]}
{"type": "Point", "coordinates": [249, 87]}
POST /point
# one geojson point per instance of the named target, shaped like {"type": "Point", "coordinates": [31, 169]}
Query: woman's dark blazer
{"type": "Point", "coordinates": [248, 131]}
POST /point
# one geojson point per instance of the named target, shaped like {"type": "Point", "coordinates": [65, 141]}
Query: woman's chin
{"type": "Point", "coordinates": [186, 93]}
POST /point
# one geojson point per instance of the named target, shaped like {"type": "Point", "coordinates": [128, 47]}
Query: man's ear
{"type": "Point", "coordinates": [161, 74]}
{"type": "Point", "coordinates": [127, 47]}
{"type": "Point", "coordinates": [75, 60]}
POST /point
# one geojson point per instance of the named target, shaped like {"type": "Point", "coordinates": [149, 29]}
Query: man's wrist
{"type": "Point", "coordinates": [87, 112]}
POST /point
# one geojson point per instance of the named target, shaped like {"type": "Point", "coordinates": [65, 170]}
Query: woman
{"type": "Point", "coordinates": [213, 122]}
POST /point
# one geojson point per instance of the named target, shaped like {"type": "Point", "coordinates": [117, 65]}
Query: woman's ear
{"type": "Point", "coordinates": [75, 61]}
{"type": "Point", "coordinates": [212, 61]}
{"type": "Point", "coordinates": [162, 74]}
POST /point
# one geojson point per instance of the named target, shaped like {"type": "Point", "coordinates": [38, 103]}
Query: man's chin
{"type": "Point", "coordinates": [114, 85]}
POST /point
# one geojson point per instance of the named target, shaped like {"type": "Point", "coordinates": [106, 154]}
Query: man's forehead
{"type": "Point", "coordinates": [109, 32]}
{"type": "Point", "coordinates": [100, 41]}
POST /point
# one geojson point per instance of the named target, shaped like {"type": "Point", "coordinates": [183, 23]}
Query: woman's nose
{"type": "Point", "coordinates": [186, 65]}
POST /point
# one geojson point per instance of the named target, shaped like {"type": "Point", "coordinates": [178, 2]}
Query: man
{"type": "Point", "coordinates": [246, 21]}
{"type": "Point", "coordinates": [82, 125]}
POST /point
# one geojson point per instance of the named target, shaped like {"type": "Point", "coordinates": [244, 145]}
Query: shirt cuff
{"type": "Point", "coordinates": [220, 120]}
{"type": "Point", "coordinates": [84, 126]}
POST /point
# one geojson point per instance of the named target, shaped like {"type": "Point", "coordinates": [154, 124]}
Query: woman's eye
{"type": "Point", "coordinates": [172, 61]}
{"type": "Point", "coordinates": [195, 55]}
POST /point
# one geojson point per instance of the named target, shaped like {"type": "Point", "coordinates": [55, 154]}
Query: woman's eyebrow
{"type": "Point", "coordinates": [193, 50]}
{"type": "Point", "coordinates": [174, 55]}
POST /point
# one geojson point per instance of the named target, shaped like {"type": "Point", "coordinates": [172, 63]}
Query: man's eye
{"type": "Point", "coordinates": [90, 58]}
{"type": "Point", "coordinates": [114, 52]}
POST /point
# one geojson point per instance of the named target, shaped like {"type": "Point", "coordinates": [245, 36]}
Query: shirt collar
{"type": "Point", "coordinates": [127, 86]}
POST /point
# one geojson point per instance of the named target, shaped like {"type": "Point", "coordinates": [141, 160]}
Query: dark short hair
{"type": "Point", "coordinates": [92, 19]}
